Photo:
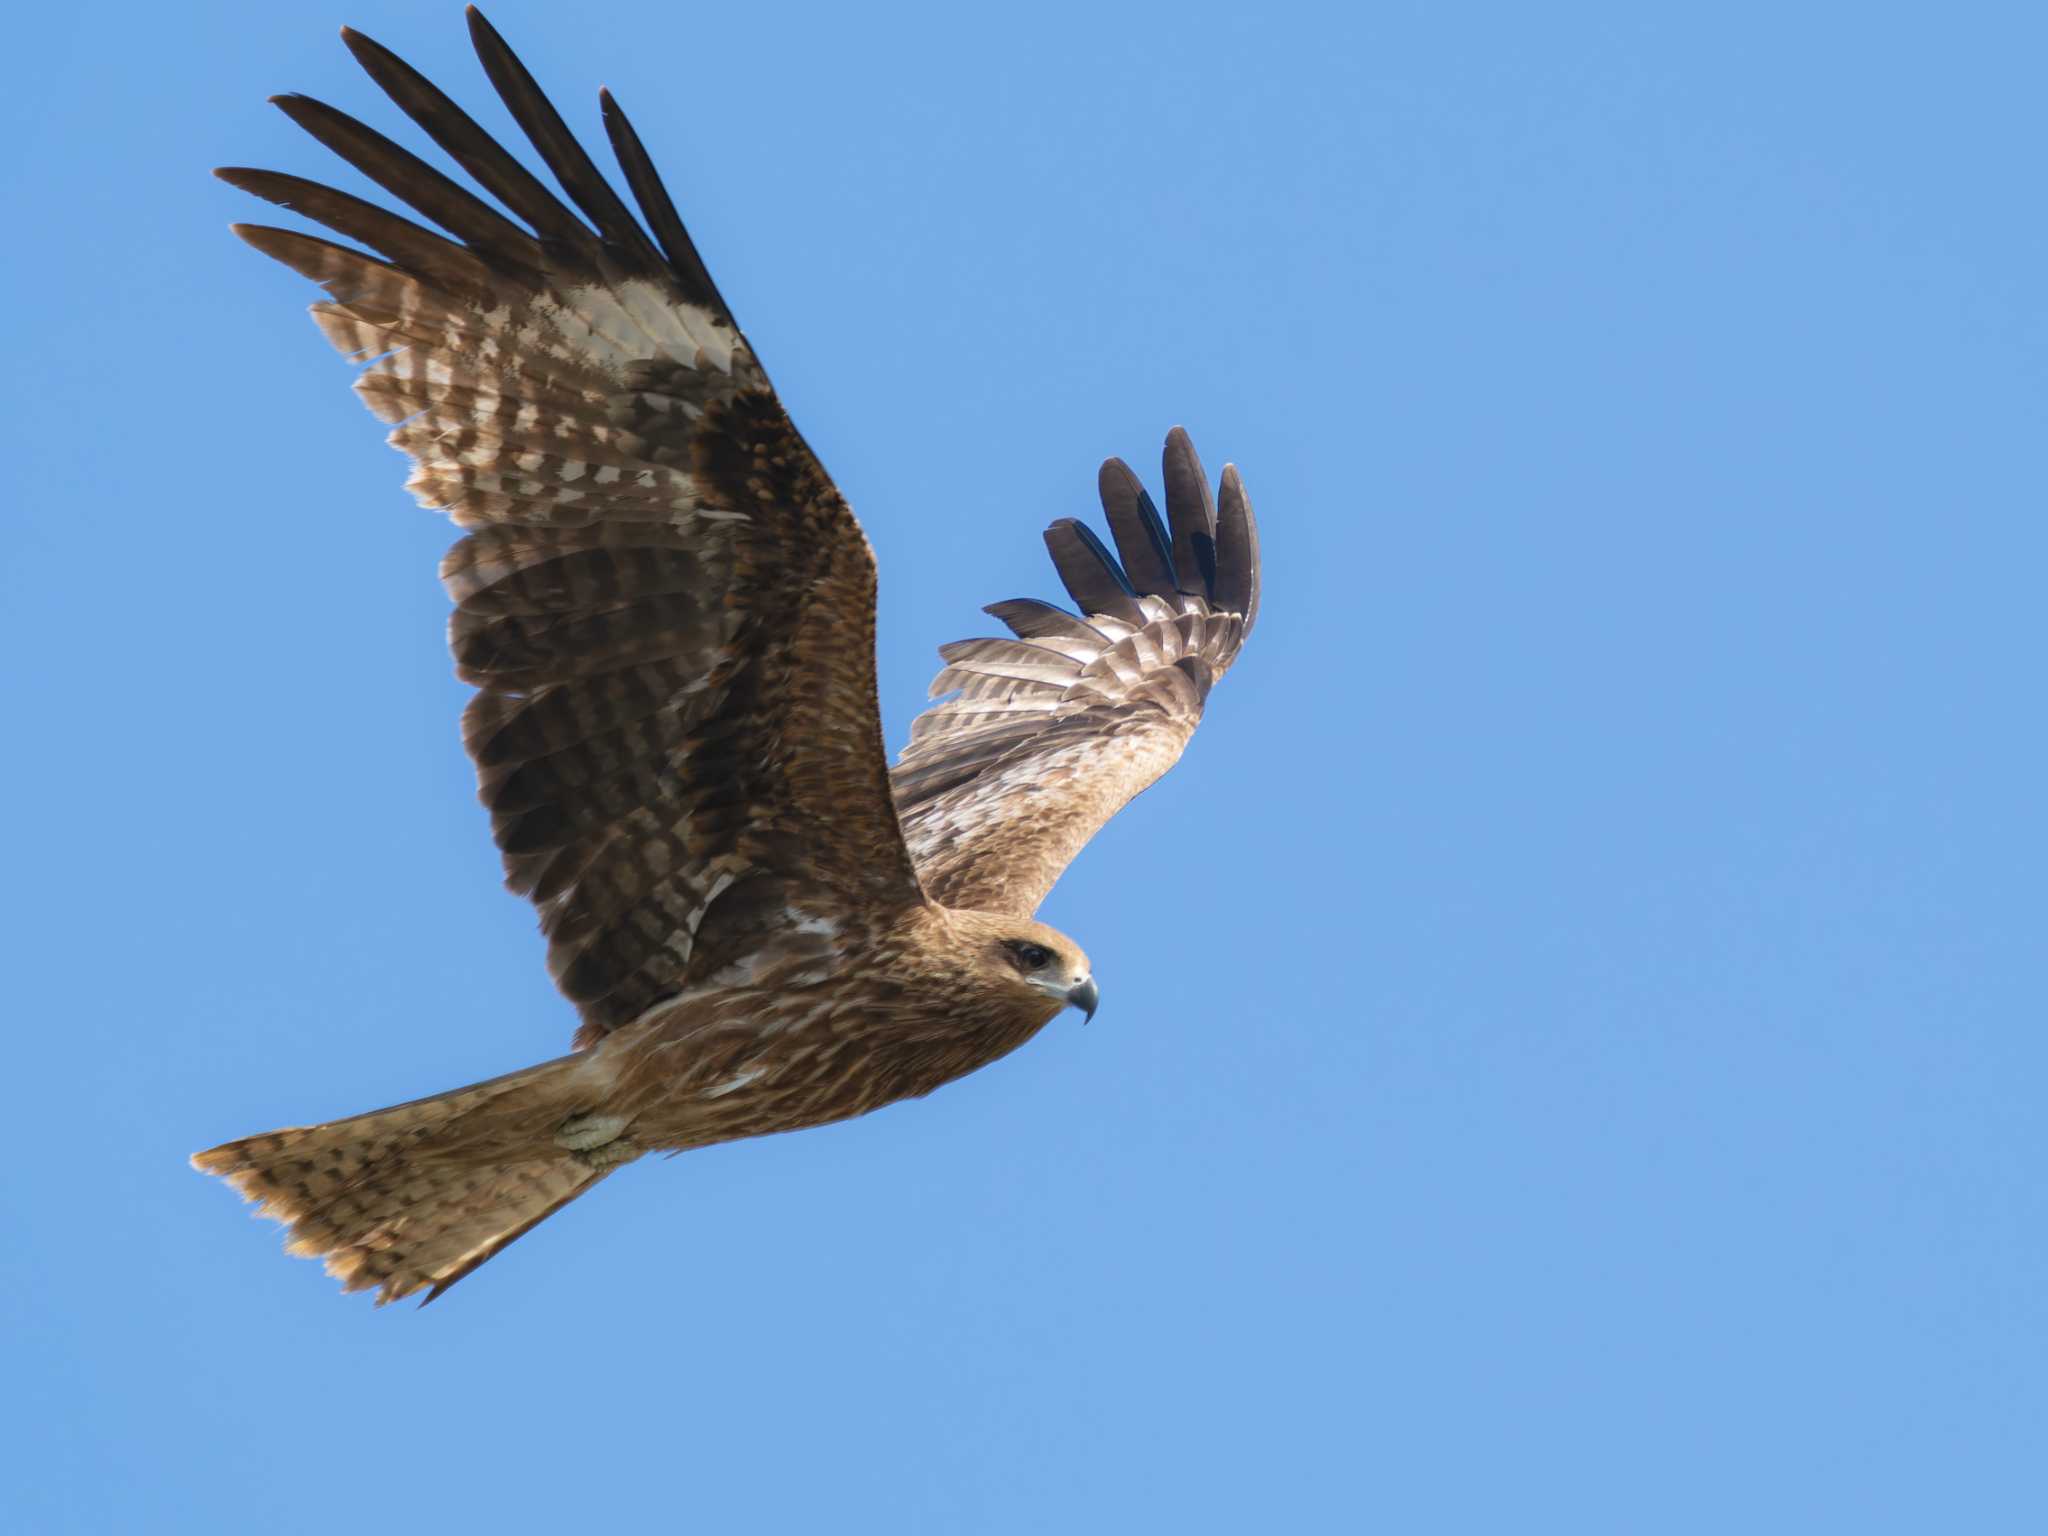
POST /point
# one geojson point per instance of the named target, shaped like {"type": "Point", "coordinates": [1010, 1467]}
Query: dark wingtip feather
{"type": "Point", "coordinates": [657, 207]}
{"type": "Point", "coordinates": [1141, 538]}
{"type": "Point", "coordinates": [410, 179]}
{"type": "Point", "coordinates": [417, 250]}
{"type": "Point", "coordinates": [1030, 619]}
{"type": "Point", "coordinates": [484, 228]}
{"type": "Point", "coordinates": [573, 168]}
{"type": "Point", "coordinates": [308, 255]}
{"type": "Point", "coordinates": [1237, 549]}
{"type": "Point", "coordinates": [1191, 514]}
{"type": "Point", "coordinates": [495, 170]}
{"type": "Point", "coordinates": [1090, 573]}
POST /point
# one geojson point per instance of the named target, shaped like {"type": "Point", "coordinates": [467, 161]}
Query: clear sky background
{"type": "Point", "coordinates": [1572, 1055]}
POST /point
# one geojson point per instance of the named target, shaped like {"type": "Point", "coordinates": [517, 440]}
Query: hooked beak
{"type": "Point", "coordinates": [1084, 996]}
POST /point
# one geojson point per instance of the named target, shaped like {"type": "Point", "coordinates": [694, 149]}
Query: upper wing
{"type": "Point", "coordinates": [1052, 733]}
{"type": "Point", "coordinates": [666, 604]}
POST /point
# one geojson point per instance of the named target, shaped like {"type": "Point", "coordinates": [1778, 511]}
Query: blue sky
{"type": "Point", "coordinates": [1572, 1047]}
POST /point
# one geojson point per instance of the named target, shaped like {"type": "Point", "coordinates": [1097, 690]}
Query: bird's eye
{"type": "Point", "coordinates": [1032, 957]}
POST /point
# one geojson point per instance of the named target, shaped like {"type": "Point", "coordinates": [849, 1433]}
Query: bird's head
{"type": "Point", "coordinates": [1039, 968]}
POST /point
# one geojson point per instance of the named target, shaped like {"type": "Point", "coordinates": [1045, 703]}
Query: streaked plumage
{"type": "Point", "coordinates": [668, 611]}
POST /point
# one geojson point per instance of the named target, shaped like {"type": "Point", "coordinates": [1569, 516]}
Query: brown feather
{"type": "Point", "coordinates": [668, 611]}
{"type": "Point", "coordinates": [402, 1198]}
{"type": "Point", "coordinates": [1043, 739]}
{"type": "Point", "coordinates": [664, 600]}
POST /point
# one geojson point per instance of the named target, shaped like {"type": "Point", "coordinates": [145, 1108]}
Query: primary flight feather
{"type": "Point", "coordinates": [668, 611]}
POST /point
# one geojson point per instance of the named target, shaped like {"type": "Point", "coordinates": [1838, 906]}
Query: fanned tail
{"type": "Point", "coordinates": [418, 1195]}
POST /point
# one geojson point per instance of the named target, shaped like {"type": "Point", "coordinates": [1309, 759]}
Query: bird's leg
{"type": "Point", "coordinates": [598, 1140]}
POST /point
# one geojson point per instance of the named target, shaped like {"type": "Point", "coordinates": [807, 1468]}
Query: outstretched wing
{"type": "Point", "coordinates": [666, 605]}
{"type": "Point", "coordinates": [1047, 736]}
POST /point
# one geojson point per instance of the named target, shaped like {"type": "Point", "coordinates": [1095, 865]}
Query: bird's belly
{"type": "Point", "coordinates": [692, 1083]}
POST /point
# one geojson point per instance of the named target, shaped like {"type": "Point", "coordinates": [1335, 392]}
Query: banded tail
{"type": "Point", "coordinates": [418, 1195]}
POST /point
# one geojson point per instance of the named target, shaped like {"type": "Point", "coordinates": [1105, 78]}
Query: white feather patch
{"type": "Point", "coordinates": [735, 1083]}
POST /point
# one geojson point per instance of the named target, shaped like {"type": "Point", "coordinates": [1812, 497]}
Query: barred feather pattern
{"type": "Point", "coordinates": [664, 603]}
{"type": "Point", "coordinates": [415, 1197]}
{"type": "Point", "coordinates": [1039, 740]}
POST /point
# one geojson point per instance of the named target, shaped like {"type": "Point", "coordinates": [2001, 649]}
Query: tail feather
{"type": "Point", "coordinates": [418, 1195]}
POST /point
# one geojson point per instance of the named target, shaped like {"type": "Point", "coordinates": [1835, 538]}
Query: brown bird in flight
{"type": "Point", "coordinates": [668, 612]}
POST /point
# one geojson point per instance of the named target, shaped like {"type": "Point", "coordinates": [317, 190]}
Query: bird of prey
{"type": "Point", "coordinates": [668, 612]}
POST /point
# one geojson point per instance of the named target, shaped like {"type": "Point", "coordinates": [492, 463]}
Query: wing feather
{"type": "Point", "coordinates": [1041, 739]}
{"type": "Point", "coordinates": [545, 130]}
{"type": "Point", "coordinates": [1030, 619]}
{"type": "Point", "coordinates": [1237, 550]}
{"type": "Point", "coordinates": [665, 604]}
{"type": "Point", "coordinates": [1090, 573]}
{"type": "Point", "coordinates": [404, 243]}
{"type": "Point", "coordinates": [1191, 512]}
{"type": "Point", "coordinates": [400, 172]}
{"type": "Point", "coordinates": [486, 160]}
{"type": "Point", "coordinates": [1142, 542]}
{"type": "Point", "coordinates": [657, 207]}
